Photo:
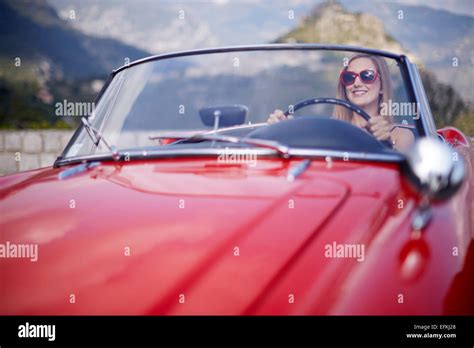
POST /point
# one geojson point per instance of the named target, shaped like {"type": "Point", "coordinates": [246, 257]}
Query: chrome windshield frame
{"type": "Point", "coordinates": [265, 47]}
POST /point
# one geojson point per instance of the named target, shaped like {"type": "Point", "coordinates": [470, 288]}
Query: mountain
{"type": "Point", "coordinates": [33, 30]}
{"type": "Point", "coordinates": [330, 22]}
{"type": "Point", "coordinates": [434, 34]}
{"type": "Point", "coordinates": [43, 59]}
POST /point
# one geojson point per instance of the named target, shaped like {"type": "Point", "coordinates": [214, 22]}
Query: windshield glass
{"type": "Point", "coordinates": [181, 95]}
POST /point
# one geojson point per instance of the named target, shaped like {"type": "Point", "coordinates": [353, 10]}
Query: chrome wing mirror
{"type": "Point", "coordinates": [436, 172]}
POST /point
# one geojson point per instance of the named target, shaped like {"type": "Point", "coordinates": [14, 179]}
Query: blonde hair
{"type": "Point", "coordinates": [343, 113]}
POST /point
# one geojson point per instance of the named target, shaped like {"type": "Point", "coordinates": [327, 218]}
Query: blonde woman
{"type": "Point", "coordinates": [365, 82]}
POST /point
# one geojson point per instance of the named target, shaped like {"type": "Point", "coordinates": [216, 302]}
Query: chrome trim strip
{"type": "Point", "coordinates": [252, 125]}
{"type": "Point", "coordinates": [304, 153]}
{"type": "Point", "coordinates": [347, 156]}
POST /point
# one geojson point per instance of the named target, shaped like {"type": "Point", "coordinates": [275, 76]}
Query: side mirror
{"type": "Point", "coordinates": [453, 136]}
{"type": "Point", "coordinates": [223, 116]}
{"type": "Point", "coordinates": [435, 170]}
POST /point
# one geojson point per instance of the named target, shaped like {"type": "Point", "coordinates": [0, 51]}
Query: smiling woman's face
{"type": "Point", "coordinates": [359, 93]}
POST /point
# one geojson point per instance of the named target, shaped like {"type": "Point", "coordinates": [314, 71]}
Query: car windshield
{"type": "Point", "coordinates": [155, 103]}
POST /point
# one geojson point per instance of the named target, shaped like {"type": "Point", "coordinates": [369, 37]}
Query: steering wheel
{"type": "Point", "coordinates": [335, 101]}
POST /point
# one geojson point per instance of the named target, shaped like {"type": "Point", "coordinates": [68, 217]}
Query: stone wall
{"type": "Point", "coordinates": [30, 149]}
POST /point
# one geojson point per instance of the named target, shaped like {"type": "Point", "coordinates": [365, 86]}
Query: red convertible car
{"type": "Point", "coordinates": [177, 197]}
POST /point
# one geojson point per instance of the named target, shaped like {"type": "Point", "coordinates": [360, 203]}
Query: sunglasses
{"type": "Point", "coordinates": [366, 76]}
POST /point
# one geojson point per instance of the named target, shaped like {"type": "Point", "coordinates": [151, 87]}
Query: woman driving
{"type": "Point", "coordinates": [365, 82]}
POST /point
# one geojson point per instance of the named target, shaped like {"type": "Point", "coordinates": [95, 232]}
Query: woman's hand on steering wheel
{"type": "Point", "coordinates": [277, 116]}
{"type": "Point", "coordinates": [381, 128]}
{"type": "Point", "coordinates": [377, 126]}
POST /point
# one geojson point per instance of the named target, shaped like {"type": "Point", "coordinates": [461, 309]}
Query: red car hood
{"type": "Point", "coordinates": [184, 236]}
